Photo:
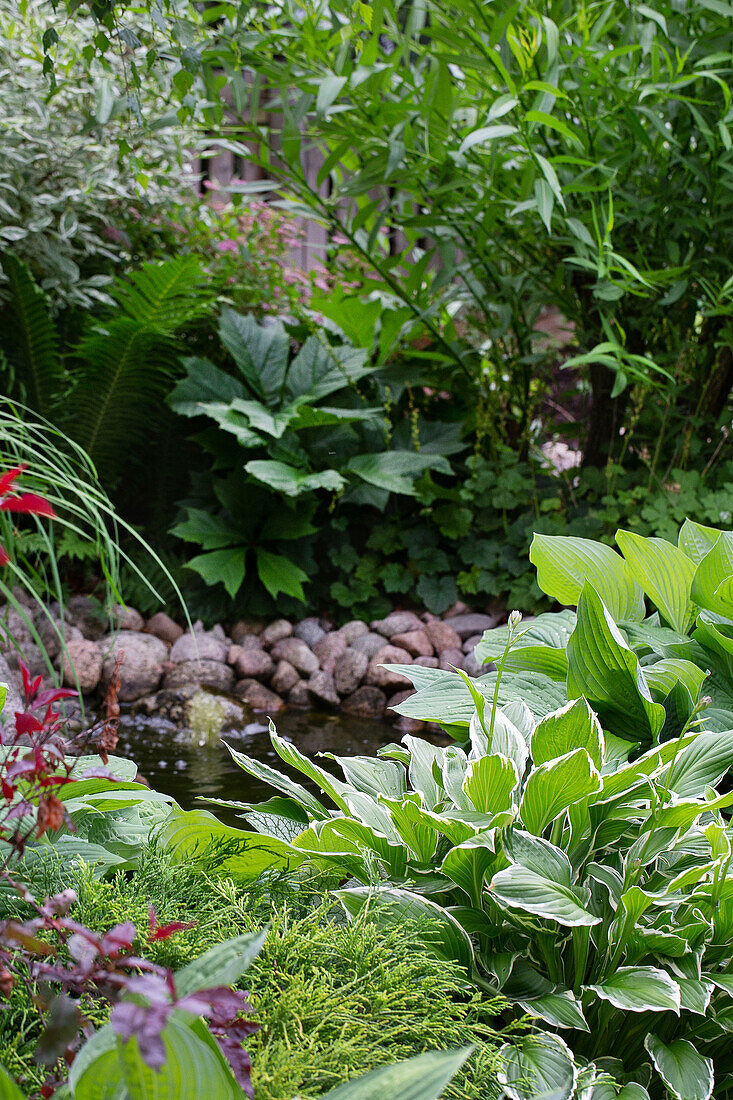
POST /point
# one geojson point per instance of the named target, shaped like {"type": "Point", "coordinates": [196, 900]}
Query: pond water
{"type": "Point", "coordinates": [180, 764]}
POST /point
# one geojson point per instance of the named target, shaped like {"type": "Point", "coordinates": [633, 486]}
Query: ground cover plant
{"type": "Point", "coordinates": [572, 847]}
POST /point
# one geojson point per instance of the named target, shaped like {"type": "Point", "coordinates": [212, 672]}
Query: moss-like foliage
{"type": "Point", "coordinates": [333, 999]}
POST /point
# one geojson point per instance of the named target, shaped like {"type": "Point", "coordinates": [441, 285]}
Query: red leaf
{"type": "Point", "coordinates": [7, 479]}
{"type": "Point", "coordinates": [29, 504]}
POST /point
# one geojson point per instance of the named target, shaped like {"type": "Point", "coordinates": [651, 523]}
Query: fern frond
{"type": "Point", "coordinates": [165, 295]}
{"type": "Point", "coordinates": [29, 339]}
{"type": "Point", "coordinates": [125, 371]}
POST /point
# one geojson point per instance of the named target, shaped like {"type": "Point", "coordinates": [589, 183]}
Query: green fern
{"type": "Point", "coordinates": [29, 340]}
{"type": "Point", "coordinates": [126, 364]}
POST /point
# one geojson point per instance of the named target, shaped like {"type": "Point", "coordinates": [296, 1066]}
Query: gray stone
{"type": "Point", "coordinates": [32, 656]}
{"type": "Point", "coordinates": [50, 635]}
{"type": "Point", "coordinates": [284, 678]}
{"type": "Point", "coordinates": [472, 623]}
{"type": "Point", "coordinates": [276, 631]}
{"type": "Point", "coordinates": [246, 626]}
{"type": "Point", "coordinates": [470, 643]}
{"type": "Point", "coordinates": [250, 662]}
{"type": "Point", "coordinates": [88, 615]}
{"type": "Point", "coordinates": [368, 643]}
{"type": "Point", "coordinates": [84, 659]}
{"type": "Point", "coordinates": [321, 687]}
{"type": "Point", "coordinates": [399, 697]}
{"type": "Point", "coordinates": [451, 658]}
{"type": "Point", "coordinates": [383, 677]}
{"type": "Point", "coordinates": [297, 653]}
{"type": "Point", "coordinates": [309, 631]}
{"type": "Point", "coordinates": [329, 650]}
{"type": "Point", "coordinates": [217, 631]}
{"type": "Point", "coordinates": [442, 636]}
{"type": "Point", "coordinates": [472, 666]}
{"type": "Point", "coordinates": [353, 630]}
{"type": "Point", "coordinates": [143, 659]}
{"type": "Point", "coordinates": [458, 608]}
{"type": "Point", "coordinates": [258, 696]}
{"type": "Point", "coordinates": [198, 646]}
{"type": "Point", "coordinates": [415, 642]}
{"type": "Point", "coordinates": [127, 618]}
{"type": "Point", "coordinates": [366, 702]}
{"type": "Point", "coordinates": [163, 627]}
{"type": "Point", "coordinates": [350, 670]}
{"type": "Point", "coordinates": [204, 673]}
{"type": "Point", "coordinates": [14, 627]}
{"type": "Point", "coordinates": [299, 696]}
{"type": "Point", "coordinates": [396, 623]}
{"type": "Point", "coordinates": [13, 699]}
{"type": "Point", "coordinates": [427, 662]}
{"type": "Point", "coordinates": [249, 641]}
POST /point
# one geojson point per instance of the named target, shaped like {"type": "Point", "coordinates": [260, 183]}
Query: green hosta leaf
{"type": "Point", "coordinates": [713, 580]}
{"type": "Point", "coordinates": [557, 1009]}
{"type": "Point", "coordinates": [421, 1078]}
{"type": "Point", "coordinates": [291, 481]}
{"type": "Point", "coordinates": [283, 783]}
{"type": "Point", "coordinates": [664, 675]}
{"type": "Point", "coordinates": [640, 989]}
{"type": "Point", "coordinates": [699, 764]}
{"type": "Point", "coordinates": [603, 669]}
{"type": "Point", "coordinates": [446, 698]}
{"type": "Point", "coordinates": [539, 1067]}
{"type": "Point", "coordinates": [554, 786]}
{"type": "Point", "coordinates": [280, 574]}
{"type": "Point", "coordinates": [606, 1089]}
{"type": "Point", "coordinates": [389, 906]}
{"type": "Point", "coordinates": [225, 566]}
{"type": "Point", "coordinates": [467, 864]}
{"type": "Point", "coordinates": [547, 635]}
{"type": "Point", "coordinates": [506, 739]}
{"type": "Point", "coordinates": [521, 888]}
{"type": "Point", "coordinates": [659, 639]}
{"type": "Point", "coordinates": [197, 837]}
{"type": "Point", "coordinates": [8, 1088]}
{"type": "Point", "coordinates": [395, 471]}
{"type": "Point", "coordinates": [490, 782]}
{"type": "Point", "coordinates": [696, 541]}
{"type": "Point", "coordinates": [665, 573]}
{"type": "Point", "coordinates": [685, 1072]}
{"type": "Point", "coordinates": [573, 726]}
{"type": "Point", "coordinates": [565, 564]}
{"type": "Point", "coordinates": [222, 964]}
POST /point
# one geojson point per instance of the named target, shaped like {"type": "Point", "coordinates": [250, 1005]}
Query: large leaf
{"type": "Point", "coordinates": [196, 837]}
{"type": "Point", "coordinates": [540, 645]}
{"type": "Point", "coordinates": [318, 370]}
{"type": "Point", "coordinates": [699, 764]}
{"type": "Point", "coordinates": [565, 564]}
{"type": "Point", "coordinates": [260, 353]}
{"type": "Point", "coordinates": [665, 573]}
{"type": "Point", "coordinates": [421, 1078]}
{"type": "Point", "coordinates": [603, 669]}
{"type": "Point", "coordinates": [279, 574]}
{"type": "Point", "coordinates": [387, 906]}
{"type": "Point", "coordinates": [204, 384]}
{"type": "Point", "coordinates": [8, 1088]}
{"type": "Point", "coordinates": [695, 540]}
{"type": "Point", "coordinates": [554, 786]}
{"type": "Point", "coordinates": [490, 782]}
{"type": "Point", "coordinates": [640, 989]}
{"type": "Point", "coordinates": [222, 964]}
{"type": "Point", "coordinates": [685, 1072]}
{"type": "Point", "coordinates": [445, 698]}
{"type": "Point", "coordinates": [573, 726]}
{"type": "Point", "coordinates": [538, 1067]}
{"type": "Point", "coordinates": [395, 471]}
{"type": "Point", "coordinates": [280, 782]}
{"type": "Point", "coordinates": [539, 881]}
{"type": "Point", "coordinates": [227, 566]}
{"type": "Point", "coordinates": [712, 585]}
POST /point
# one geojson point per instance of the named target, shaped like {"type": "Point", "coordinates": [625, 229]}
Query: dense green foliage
{"type": "Point", "coordinates": [320, 986]}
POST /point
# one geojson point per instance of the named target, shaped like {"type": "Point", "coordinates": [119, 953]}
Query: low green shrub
{"type": "Point", "coordinates": [333, 999]}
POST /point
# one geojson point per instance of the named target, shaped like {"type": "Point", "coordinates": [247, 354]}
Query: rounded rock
{"type": "Point", "coordinates": [350, 670]}
{"type": "Point", "coordinates": [321, 687]}
{"type": "Point", "coordinates": [250, 662]}
{"type": "Point", "coordinates": [309, 631]}
{"type": "Point", "coordinates": [127, 618]}
{"type": "Point", "coordinates": [397, 623]}
{"type": "Point", "coordinates": [329, 650]}
{"type": "Point", "coordinates": [203, 673]}
{"type": "Point", "coordinates": [369, 643]}
{"type": "Point", "coordinates": [258, 696]}
{"type": "Point", "coordinates": [246, 626]}
{"type": "Point", "coordinates": [442, 636]}
{"type": "Point", "coordinates": [366, 702]}
{"type": "Point", "coordinates": [84, 659]}
{"type": "Point", "coordinates": [383, 677]}
{"type": "Point", "coordinates": [299, 696]}
{"type": "Point", "coordinates": [415, 642]}
{"type": "Point", "coordinates": [284, 678]}
{"type": "Point", "coordinates": [199, 646]}
{"type": "Point", "coordinates": [162, 626]}
{"type": "Point", "coordinates": [451, 658]}
{"type": "Point", "coordinates": [352, 630]}
{"type": "Point", "coordinates": [142, 665]}
{"type": "Point", "coordinates": [276, 631]}
{"type": "Point", "coordinates": [297, 653]}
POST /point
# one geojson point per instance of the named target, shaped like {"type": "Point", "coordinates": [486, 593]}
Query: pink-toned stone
{"type": "Point", "coordinates": [470, 643]}
{"type": "Point", "coordinates": [415, 642]}
{"type": "Point", "coordinates": [322, 688]}
{"type": "Point", "coordinates": [162, 626]}
{"type": "Point", "coordinates": [427, 662]}
{"type": "Point", "coordinates": [396, 623]}
{"type": "Point", "coordinates": [408, 725]}
{"type": "Point", "coordinates": [299, 696]}
{"type": "Point", "coordinates": [258, 696]}
{"type": "Point", "coordinates": [458, 608]}
{"type": "Point", "coordinates": [284, 678]}
{"type": "Point", "coordinates": [353, 630]}
{"type": "Point", "coordinates": [276, 631]}
{"type": "Point", "coordinates": [329, 649]}
{"type": "Point", "coordinates": [84, 658]}
{"type": "Point", "coordinates": [366, 702]}
{"type": "Point", "coordinates": [250, 662]}
{"type": "Point", "coordinates": [297, 653]}
{"type": "Point", "coordinates": [350, 670]}
{"type": "Point", "coordinates": [399, 697]}
{"type": "Point", "coordinates": [246, 626]}
{"type": "Point", "coordinates": [383, 677]}
{"type": "Point", "coordinates": [442, 636]}
{"type": "Point", "coordinates": [127, 618]}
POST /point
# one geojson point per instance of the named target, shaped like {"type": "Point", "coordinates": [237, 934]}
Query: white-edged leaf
{"type": "Point", "coordinates": [538, 1067]}
{"type": "Point", "coordinates": [686, 1073]}
{"type": "Point", "coordinates": [640, 989]}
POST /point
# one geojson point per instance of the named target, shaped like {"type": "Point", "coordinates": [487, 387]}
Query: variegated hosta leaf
{"type": "Point", "coordinates": [640, 989]}
{"type": "Point", "coordinates": [537, 1066]}
{"type": "Point", "coordinates": [574, 726]}
{"type": "Point", "coordinates": [687, 1074]}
